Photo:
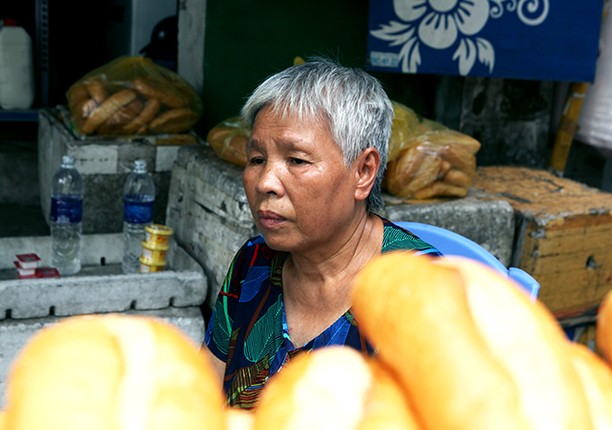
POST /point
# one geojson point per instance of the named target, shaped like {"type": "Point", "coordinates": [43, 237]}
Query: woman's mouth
{"type": "Point", "coordinates": [269, 220]}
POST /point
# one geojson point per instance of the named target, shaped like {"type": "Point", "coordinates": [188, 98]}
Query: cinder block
{"type": "Point", "coordinates": [208, 210]}
{"type": "Point", "coordinates": [100, 286]}
{"type": "Point", "coordinates": [104, 164]}
{"type": "Point", "coordinates": [490, 223]}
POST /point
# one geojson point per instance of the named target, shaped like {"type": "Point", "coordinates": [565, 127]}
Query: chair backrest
{"type": "Point", "coordinates": [451, 243]}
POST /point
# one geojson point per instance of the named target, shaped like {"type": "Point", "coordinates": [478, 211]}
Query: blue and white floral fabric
{"type": "Point", "coordinates": [528, 39]}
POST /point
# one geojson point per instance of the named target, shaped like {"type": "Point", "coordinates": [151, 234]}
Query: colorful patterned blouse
{"type": "Point", "coordinates": [248, 328]}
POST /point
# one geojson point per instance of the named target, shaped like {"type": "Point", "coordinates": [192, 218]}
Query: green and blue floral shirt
{"type": "Point", "coordinates": [248, 326]}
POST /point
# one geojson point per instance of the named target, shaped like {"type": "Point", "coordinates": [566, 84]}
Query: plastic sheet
{"type": "Point", "coordinates": [595, 121]}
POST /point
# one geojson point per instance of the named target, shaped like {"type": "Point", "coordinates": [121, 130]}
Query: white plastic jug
{"type": "Point", "coordinates": [16, 67]}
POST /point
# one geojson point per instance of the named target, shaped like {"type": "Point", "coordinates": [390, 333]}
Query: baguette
{"type": "Point", "coordinates": [333, 388]}
{"type": "Point", "coordinates": [596, 378]}
{"type": "Point", "coordinates": [603, 331]}
{"type": "Point", "coordinates": [173, 121]}
{"type": "Point", "coordinates": [440, 189]}
{"type": "Point", "coordinates": [111, 105]}
{"type": "Point", "coordinates": [96, 90]}
{"type": "Point", "coordinates": [458, 178]}
{"type": "Point", "coordinates": [146, 115]}
{"type": "Point", "coordinates": [471, 349]}
{"type": "Point", "coordinates": [114, 371]}
{"type": "Point", "coordinates": [166, 94]}
{"type": "Point", "coordinates": [115, 123]}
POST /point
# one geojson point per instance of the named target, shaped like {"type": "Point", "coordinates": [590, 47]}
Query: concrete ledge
{"type": "Point", "coordinates": [27, 305]}
{"type": "Point", "coordinates": [100, 286]}
{"type": "Point", "coordinates": [488, 223]}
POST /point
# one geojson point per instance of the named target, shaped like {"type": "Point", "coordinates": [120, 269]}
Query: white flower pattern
{"type": "Point", "coordinates": [444, 24]}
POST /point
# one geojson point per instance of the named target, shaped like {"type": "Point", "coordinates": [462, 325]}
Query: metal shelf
{"type": "Point", "coordinates": [28, 115]}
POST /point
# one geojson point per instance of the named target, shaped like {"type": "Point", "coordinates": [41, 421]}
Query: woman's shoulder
{"type": "Point", "coordinates": [254, 251]}
{"type": "Point", "coordinates": [254, 255]}
{"type": "Point", "coordinates": [396, 237]}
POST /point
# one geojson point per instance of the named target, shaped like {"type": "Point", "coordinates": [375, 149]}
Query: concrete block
{"type": "Point", "coordinates": [208, 210]}
{"type": "Point", "coordinates": [104, 163]}
{"type": "Point", "coordinates": [489, 223]}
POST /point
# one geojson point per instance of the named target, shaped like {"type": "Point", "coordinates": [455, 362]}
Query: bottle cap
{"type": "Point", "coordinates": [140, 165]}
{"type": "Point", "coordinates": [68, 160]}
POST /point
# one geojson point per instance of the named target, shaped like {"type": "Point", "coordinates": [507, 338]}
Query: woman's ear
{"type": "Point", "coordinates": [366, 170]}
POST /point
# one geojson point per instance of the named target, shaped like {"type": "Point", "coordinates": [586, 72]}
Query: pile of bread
{"type": "Point", "coordinates": [427, 159]}
{"type": "Point", "coordinates": [460, 346]}
{"type": "Point", "coordinates": [132, 96]}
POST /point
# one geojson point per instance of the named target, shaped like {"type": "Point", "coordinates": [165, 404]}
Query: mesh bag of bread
{"type": "Point", "coordinates": [132, 95]}
{"type": "Point", "coordinates": [228, 140]}
{"type": "Point", "coordinates": [427, 159]}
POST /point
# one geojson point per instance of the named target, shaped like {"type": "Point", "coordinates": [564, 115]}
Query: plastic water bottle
{"type": "Point", "coordinates": [138, 199]}
{"type": "Point", "coordinates": [66, 216]}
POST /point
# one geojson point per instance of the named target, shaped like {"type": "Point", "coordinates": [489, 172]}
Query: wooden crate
{"type": "Point", "coordinates": [563, 236]}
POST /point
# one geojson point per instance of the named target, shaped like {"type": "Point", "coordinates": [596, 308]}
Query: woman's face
{"type": "Point", "coordinates": [299, 190]}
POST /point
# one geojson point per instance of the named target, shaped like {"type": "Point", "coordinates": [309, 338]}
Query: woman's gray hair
{"type": "Point", "coordinates": [351, 101]}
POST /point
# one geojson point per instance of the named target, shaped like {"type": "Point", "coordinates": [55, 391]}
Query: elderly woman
{"type": "Point", "coordinates": [315, 162]}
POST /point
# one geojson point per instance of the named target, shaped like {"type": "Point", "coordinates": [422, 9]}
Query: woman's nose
{"type": "Point", "coordinates": [269, 179]}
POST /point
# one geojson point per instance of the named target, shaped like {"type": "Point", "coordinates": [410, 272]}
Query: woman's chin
{"type": "Point", "coordinates": [278, 241]}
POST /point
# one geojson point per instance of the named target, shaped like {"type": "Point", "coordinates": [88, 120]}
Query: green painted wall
{"type": "Point", "coordinates": [248, 40]}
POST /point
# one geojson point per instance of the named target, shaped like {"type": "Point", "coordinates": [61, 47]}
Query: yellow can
{"type": "Point", "coordinates": [158, 235]}
{"type": "Point", "coordinates": [147, 266]}
{"type": "Point", "coordinates": [154, 253]}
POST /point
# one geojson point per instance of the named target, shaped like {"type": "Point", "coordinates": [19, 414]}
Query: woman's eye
{"type": "Point", "coordinates": [256, 160]}
{"type": "Point", "coordinates": [297, 161]}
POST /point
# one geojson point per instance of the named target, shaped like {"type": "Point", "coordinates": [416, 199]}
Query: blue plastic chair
{"type": "Point", "coordinates": [451, 243]}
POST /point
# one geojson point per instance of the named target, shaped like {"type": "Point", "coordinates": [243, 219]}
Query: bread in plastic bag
{"type": "Point", "coordinates": [427, 159]}
{"type": "Point", "coordinates": [132, 95]}
{"type": "Point", "coordinates": [228, 140]}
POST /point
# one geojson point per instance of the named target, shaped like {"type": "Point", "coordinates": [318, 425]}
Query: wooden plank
{"type": "Point", "coordinates": [579, 225]}
{"type": "Point", "coordinates": [581, 260]}
{"type": "Point", "coordinates": [535, 191]}
{"type": "Point", "coordinates": [573, 291]}
{"type": "Point", "coordinates": [591, 242]}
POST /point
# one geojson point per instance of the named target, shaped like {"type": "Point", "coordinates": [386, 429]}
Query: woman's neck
{"type": "Point", "coordinates": [317, 290]}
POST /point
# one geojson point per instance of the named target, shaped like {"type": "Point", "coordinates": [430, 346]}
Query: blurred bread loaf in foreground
{"type": "Point", "coordinates": [112, 371]}
{"type": "Point", "coordinates": [333, 388]}
{"type": "Point", "coordinates": [470, 348]}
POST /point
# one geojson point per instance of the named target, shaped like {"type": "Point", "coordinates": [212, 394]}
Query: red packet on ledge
{"type": "Point", "coordinates": [47, 272]}
{"type": "Point", "coordinates": [24, 272]}
{"type": "Point", "coordinates": [28, 261]}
